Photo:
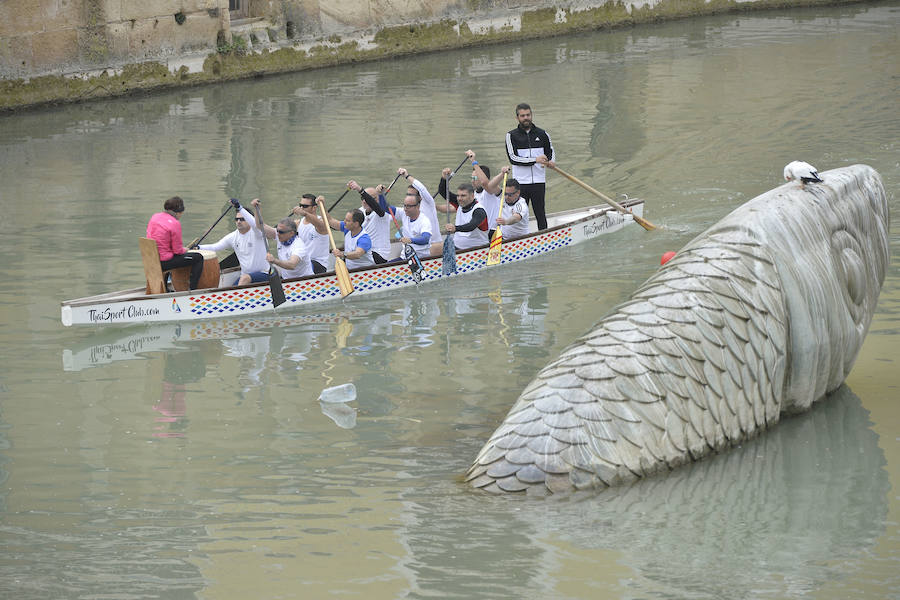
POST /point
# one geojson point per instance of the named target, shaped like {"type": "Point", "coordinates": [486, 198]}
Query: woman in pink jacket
{"type": "Point", "coordinates": [165, 228]}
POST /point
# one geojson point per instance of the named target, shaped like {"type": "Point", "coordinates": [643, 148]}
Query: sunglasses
{"type": "Point", "coordinates": [306, 205]}
{"type": "Point", "coordinates": [283, 232]}
{"type": "Point", "coordinates": [240, 219]}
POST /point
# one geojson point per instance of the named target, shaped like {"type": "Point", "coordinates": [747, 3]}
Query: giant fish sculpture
{"type": "Point", "coordinates": [761, 315]}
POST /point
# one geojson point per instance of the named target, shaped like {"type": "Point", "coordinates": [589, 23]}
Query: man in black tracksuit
{"type": "Point", "coordinates": [529, 149]}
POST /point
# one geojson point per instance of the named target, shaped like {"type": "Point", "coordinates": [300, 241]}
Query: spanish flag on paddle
{"type": "Point", "coordinates": [494, 251]}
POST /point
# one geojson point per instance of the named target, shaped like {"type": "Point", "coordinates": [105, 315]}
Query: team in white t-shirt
{"type": "Point", "coordinates": [303, 245]}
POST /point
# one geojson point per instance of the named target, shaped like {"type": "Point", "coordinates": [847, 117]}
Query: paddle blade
{"type": "Point", "coordinates": [343, 277]}
{"type": "Point", "coordinates": [229, 261]}
{"type": "Point", "coordinates": [645, 224]}
{"type": "Point", "coordinates": [448, 260]}
{"type": "Point", "coordinates": [414, 262]}
{"type": "Point", "coordinates": [496, 245]}
{"type": "Point", "coordinates": [275, 288]}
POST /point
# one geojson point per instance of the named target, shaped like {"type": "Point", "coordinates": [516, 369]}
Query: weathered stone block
{"type": "Point", "coordinates": [93, 48]}
{"type": "Point", "coordinates": [118, 35]}
{"type": "Point", "coordinates": [113, 11]}
{"type": "Point", "coordinates": [198, 32]}
{"type": "Point", "coordinates": [16, 58]}
{"type": "Point", "coordinates": [54, 49]}
{"type": "Point", "coordinates": [19, 18]}
{"type": "Point", "coordinates": [192, 6]}
{"type": "Point", "coordinates": [152, 38]}
{"type": "Point", "coordinates": [347, 12]}
{"type": "Point", "coordinates": [146, 9]}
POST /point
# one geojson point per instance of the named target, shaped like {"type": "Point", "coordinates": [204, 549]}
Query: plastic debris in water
{"type": "Point", "coordinates": [343, 416]}
{"type": "Point", "coordinates": [338, 394]}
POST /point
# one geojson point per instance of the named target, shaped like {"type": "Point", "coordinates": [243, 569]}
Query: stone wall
{"type": "Point", "coordinates": [71, 50]}
{"type": "Point", "coordinates": [40, 37]}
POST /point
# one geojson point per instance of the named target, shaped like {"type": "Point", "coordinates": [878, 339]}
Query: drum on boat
{"type": "Point", "coordinates": [209, 278]}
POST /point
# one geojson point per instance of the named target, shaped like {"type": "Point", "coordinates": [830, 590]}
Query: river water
{"type": "Point", "coordinates": [196, 462]}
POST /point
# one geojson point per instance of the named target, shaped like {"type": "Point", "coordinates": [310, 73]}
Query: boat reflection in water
{"type": "Point", "coordinates": [769, 526]}
{"type": "Point", "coordinates": [309, 352]}
{"type": "Point", "coordinates": [141, 341]}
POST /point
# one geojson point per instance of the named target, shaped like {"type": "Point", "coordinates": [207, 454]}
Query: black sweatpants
{"type": "Point", "coordinates": [194, 260]}
{"type": "Point", "coordinates": [534, 193]}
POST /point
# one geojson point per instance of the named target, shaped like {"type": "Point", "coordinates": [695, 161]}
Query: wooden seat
{"type": "Point", "coordinates": [156, 277]}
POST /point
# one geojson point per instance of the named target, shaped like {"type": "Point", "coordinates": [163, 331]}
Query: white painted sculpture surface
{"type": "Point", "coordinates": [761, 315]}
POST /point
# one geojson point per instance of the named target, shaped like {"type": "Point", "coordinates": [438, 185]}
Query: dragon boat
{"type": "Point", "coordinates": [565, 228]}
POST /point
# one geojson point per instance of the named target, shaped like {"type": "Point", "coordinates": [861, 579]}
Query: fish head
{"type": "Point", "coordinates": [830, 244]}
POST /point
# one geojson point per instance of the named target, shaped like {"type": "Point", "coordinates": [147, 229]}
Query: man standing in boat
{"type": "Point", "coordinates": [313, 231]}
{"type": "Point", "coordinates": [249, 246]}
{"type": "Point", "coordinates": [357, 250]}
{"type": "Point", "coordinates": [514, 213]}
{"type": "Point", "coordinates": [426, 207]}
{"type": "Point", "coordinates": [293, 257]}
{"type": "Point", "coordinates": [467, 232]}
{"type": "Point", "coordinates": [377, 222]}
{"type": "Point", "coordinates": [529, 149]}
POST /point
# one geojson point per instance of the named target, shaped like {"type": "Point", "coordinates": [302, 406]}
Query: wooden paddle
{"type": "Point", "coordinates": [412, 259]}
{"type": "Point", "coordinates": [340, 267]}
{"type": "Point", "coordinates": [275, 287]}
{"type": "Point", "coordinates": [196, 242]}
{"type": "Point", "coordinates": [494, 255]}
{"type": "Point", "coordinates": [640, 221]}
{"type": "Point", "coordinates": [448, 256]}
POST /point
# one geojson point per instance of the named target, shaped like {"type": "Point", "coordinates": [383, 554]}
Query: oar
{"type": "Point", "coordinates": [640, 221]}
{"type": "Point", "coordinates": [387, 191]}
{"type": "Point", "coordinates": [338, 200]}
{"type": "Point", "coordinates": [497, 241]}
{"type": "Point", "coordinates": [448, 256]}
{"type": "Point", "coordinates": [453, 172]}
{"type": "Point", "coordinates": [211, 227]}
{"type": "Point", "coordinates": [412, 259]}
{"type": "Point", "coordinates": [275, 287]}
{"type": "Point", "coordinates": [340, 267]}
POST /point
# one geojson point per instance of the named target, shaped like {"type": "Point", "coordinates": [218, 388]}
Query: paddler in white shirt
{"type": "Point", "coordinates": [377, 221]}
{"type": "Point", "coordinates": [313, 231]}
{"type": "Point", "coordinates": [514, 214]}
{"type": "Point", "coordinates": [248, 244]}
{"type": "Point", "coordinates": [487, 192]}
{"type": "Point", "coordinates": [426, 207]}
{"type": "Point", "coordinates": [357, 250]}
{"type": "Point", "coordinates": [469, 216]}
{"type": "Point", "coordinates": [293, 257]}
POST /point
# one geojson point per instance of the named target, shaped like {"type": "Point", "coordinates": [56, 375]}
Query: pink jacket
{"type": "Point", "coordinates": [166, 230]}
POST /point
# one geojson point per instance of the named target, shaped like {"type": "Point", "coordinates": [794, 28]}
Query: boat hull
{"type": "Point", "coordinates": [133, 306]}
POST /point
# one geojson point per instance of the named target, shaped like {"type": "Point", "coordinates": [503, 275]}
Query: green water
{"type": "Point", "coordinates": [195, 461]}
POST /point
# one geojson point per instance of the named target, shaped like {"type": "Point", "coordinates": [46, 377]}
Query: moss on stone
{"type": "Point", "coordinates": [417, 37]}
{"type": "Point", "coordinates": [612, 14]}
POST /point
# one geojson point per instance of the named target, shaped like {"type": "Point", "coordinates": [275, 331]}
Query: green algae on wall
{"type": "Point", "coordinates": [93, 43]}
{"type": "Point", "coordinates": [423, 37]}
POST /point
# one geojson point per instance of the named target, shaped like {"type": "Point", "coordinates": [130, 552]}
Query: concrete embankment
{"type": "Point", "coordinates": [243, 54]}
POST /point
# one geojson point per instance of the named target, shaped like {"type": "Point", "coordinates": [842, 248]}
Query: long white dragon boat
{"type": "Point", "coordinates": [565, 229]}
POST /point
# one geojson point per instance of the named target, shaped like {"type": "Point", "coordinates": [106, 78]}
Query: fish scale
{"type": "Point", "coordinates": [700, 358]}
